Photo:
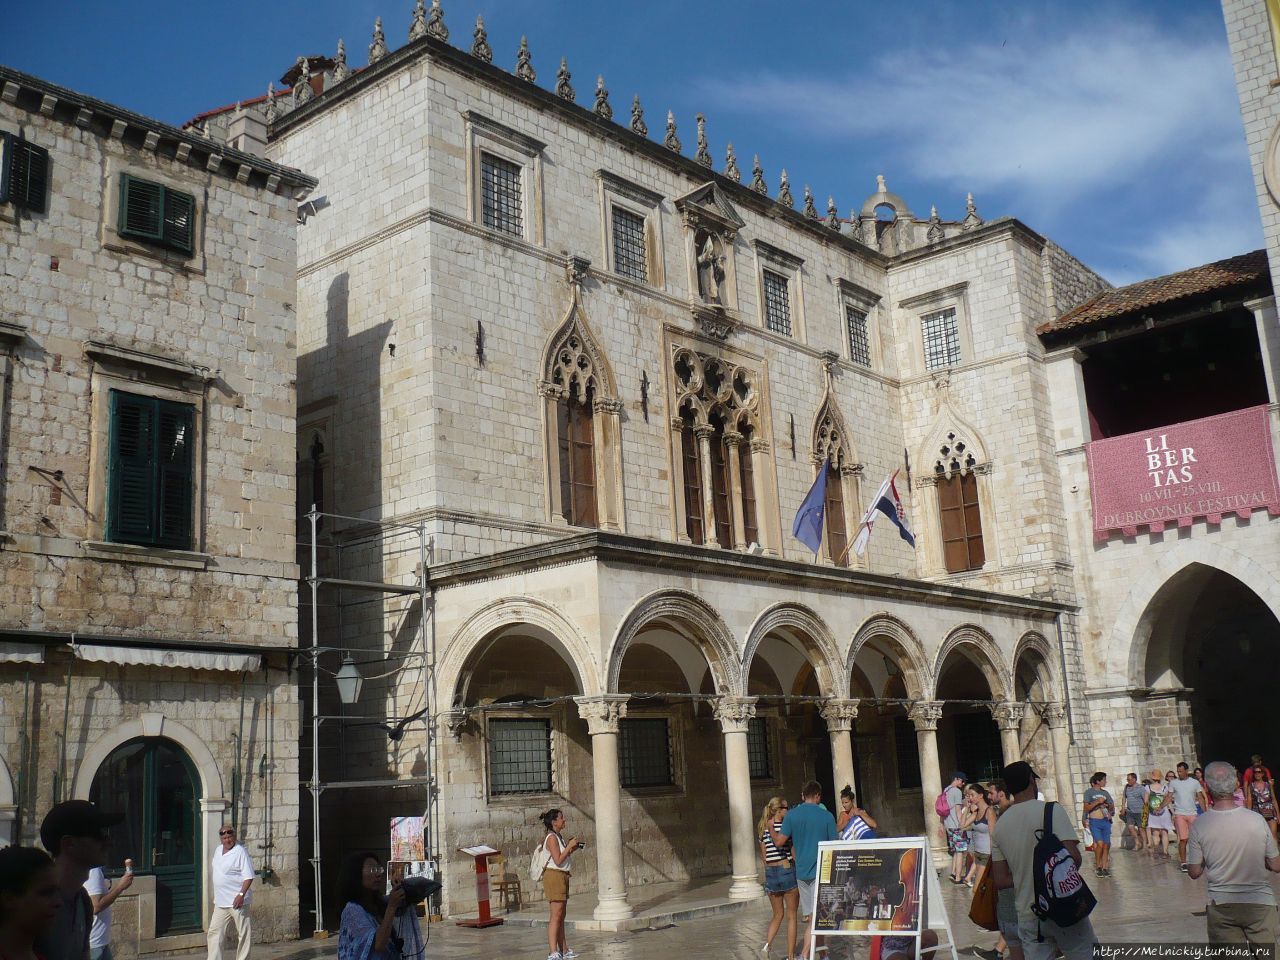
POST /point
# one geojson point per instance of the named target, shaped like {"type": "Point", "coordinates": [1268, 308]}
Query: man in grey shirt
{"type": "Point", "coordinates": [957, 839]}
{"type": "Point", "coordinates": [1187, 796]}
{"type": "Point", "coordinates": [1235, 848]}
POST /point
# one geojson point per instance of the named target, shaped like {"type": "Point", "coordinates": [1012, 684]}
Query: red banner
{"type": "Point", "coordinates": [1179, 473]}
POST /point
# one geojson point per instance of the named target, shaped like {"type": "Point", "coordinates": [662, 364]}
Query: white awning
{"type": "Point", "coordinates": [12, 652]}
{"type": "Point", "coordinates": [160, 657]}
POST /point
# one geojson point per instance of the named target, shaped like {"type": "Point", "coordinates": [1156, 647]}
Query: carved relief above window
{"type": "Point", "coordinates": [955, 456]}
{"type": "Point", "coordinates": [720, 452]}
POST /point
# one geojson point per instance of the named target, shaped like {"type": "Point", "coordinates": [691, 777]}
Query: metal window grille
{"type": "Point", "coordinates": [629, 254]}
{"type": "Point", "coordinates": [644, 752]}
{"type": "Point", "coordinates": [519, 756]}
{"type": "Point", "coordinates": [907, 749]}
{"type": "Point", "coordinates": [500, 187]}
{"type": "Point", "coordinates": [859, 346]}
{"type": "Point", "coordinates": [758, 749]}
{"type": "Point", "coordinates": [777, 303]}
{"type": "Point", "coordinates": [941, 339]}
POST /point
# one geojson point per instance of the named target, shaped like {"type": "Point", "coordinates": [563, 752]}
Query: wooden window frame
{"type": "Point", "coordinates": [26, 172]}
{"type": "Point", "coordinates": [721, 489]}
{"type": "Point", "coordinates": [160, 480]}
{"type": "Point", "coordinates": [960, 522]}
{"type": "Point", "coordinates": [835, 534]}
{"type": "Point", "coordinates": [575, 443]}
{"type": "Point", "coordinates": [170, 204]}
{"type": "Point", "coordinates": [692, 460]}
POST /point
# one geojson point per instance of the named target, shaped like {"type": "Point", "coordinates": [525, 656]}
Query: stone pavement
{"type": "Point", "coordinates": [1143, 902]}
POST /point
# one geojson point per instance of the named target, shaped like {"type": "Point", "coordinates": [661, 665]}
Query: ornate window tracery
{"type": "Point", "coordinates": [833, 452]}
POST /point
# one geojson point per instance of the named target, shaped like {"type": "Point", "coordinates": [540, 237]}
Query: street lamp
{"type": "Point", "coordinates": [349, 681]}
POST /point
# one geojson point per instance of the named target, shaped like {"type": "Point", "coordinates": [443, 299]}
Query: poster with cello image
{"type": "Point", "coordinates": [869, 887]}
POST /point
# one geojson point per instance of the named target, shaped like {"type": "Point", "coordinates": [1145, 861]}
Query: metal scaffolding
{"type": "Point", "coordinates": [330, 572]}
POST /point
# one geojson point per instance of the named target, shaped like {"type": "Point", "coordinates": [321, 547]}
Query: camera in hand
{"type": "Point", "coordinates": [582, 844]}
{"type": "Point", "coordinates": [417, 889]}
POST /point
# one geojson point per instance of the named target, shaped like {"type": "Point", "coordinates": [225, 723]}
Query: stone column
{"type": "Point", "coordinates": [840, 716]}
{"type": "Point", "coordinates": [1264, 315]}
{"type": "Point", "coordinates": [734, 714]}
{"type": "Point", "coordinates": [1055, 715]}
{"type": "Point", "coordinates": [925, 714]}
{"type": "Point", "coordinates": [602, 715]}
{"type": "Point", "coordinates": [1008, 717]}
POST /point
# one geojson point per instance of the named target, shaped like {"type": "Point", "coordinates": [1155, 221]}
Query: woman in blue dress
{"type": "Point", "coordinates": [374, 926]}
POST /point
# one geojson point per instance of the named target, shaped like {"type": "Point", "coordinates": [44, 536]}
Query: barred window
{"type": "Point", "coordinates": [859, 346]}
{"type": "Point", "coordinates": [941, 339]}
{"type": "Point", "coordinates": [644, 752]}
{"type": "Point", "coordinates": [907, 748]}
{"type": "Point", "coordinates": [500, 189]}
{"type": "Point", "coordinates": [629, 254]}
{"type": "Point", "coordinates": [758, 760]}
{"type": "Point", "coordinates": [777, 303]}
{"type": "Point", "coordinates": [519, 756]}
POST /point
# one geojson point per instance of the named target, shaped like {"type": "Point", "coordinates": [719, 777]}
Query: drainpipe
{"type": "Point", "coordinates": [235, 772]}
{"type": "Point", "coordinates": [1066, 686]}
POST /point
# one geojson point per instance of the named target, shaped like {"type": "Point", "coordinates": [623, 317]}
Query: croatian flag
{"type": "Point", "coordinates": [807, 527]}
{"type": "Point", "coordinates": [885, 501]}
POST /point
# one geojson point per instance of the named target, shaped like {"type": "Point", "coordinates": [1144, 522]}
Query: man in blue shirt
{"type": "Point", "coordinates": [807, 825]}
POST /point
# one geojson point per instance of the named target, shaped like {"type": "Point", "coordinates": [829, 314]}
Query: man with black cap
{"type": "Point", "coordinates": [75, 834]}
{"type": "Point", "coordinates": [1013, 845]}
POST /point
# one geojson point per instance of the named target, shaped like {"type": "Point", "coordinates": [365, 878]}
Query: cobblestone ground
{"type": "Point", "coordinates": [1145, 901]}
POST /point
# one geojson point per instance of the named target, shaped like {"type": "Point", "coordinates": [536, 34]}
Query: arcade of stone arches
{"type": "Point", "coordinates": [886, 709]}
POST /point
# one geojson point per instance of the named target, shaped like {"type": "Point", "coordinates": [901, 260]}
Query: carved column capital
{"type": "Point", "coordinates": [732, 438]}
{"type": "Point", "coordinates": [1055, 715]}
{"type": "Point", "coordinates": [850, 469]}
{"type": "Point", "coordinates": [552, 391]}
{"type": "Point", "coordinates": [735, 713]}
{"type": "Point", "coordinates": [704, 431]}
{"type": "Point", "coordinates": [1008, 716]}
{"type": "Point", "coordinates": [759, 445]}
{"type": "Point", "coordinates": [609, 405]}
{"type": "Point", "coordinates": [602, 713]}
{"type": "Point", "coordinates": [677, 424]}
{"type": "Point", "coordinates": [925, 714]}
{"type": "Point", "coordinates": [455, 721]}
{"type": "Point", "coordinates": [839, 715]}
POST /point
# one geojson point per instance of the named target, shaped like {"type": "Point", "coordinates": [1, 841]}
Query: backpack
{"type": "Point", "coordinates": [941, 807]}
{"type": "Point", "coordinates": [1061, 895]}
{"type": "Point", "coordinates": [538, 864]}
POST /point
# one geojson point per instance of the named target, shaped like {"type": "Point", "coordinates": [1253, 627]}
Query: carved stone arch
{"type": "Point", "coordinates": [950, 427]}
{"type": "Point", "coordinates": [909, 654]}
{"type": "Point", "coordinates": [701, 417]}
{"type": "Point", "coordinates": [558, 631]}
{"type": "Point", "coordinates": [983, 652]}
{"type": "Point", "coordinates": [1035, 642]}
{"type": "Point", "coordinates": [574, 354]}
{"type": "Point", "coordinates": [830, 435]}
{"type": "Point", "coordinates": [815, 637]}
{"type": "Point", "coordinates": [151, 725]}
{"type": "Point", "coordinates": [705, 629]}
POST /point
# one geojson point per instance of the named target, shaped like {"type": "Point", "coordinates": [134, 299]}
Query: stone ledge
{"type": "Point", "coordinates": [153, 556]}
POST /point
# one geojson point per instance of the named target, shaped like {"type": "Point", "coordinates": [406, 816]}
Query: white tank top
{"type": "Point", "coordinates": [551, 863]}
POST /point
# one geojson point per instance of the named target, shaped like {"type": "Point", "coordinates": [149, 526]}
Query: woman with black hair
{"type": "Point", "coordinates": [29, 900]}
{"type": "Point", "coordinates": [374, 926]}
{"type": "Point", "coordinates": [555, 852]}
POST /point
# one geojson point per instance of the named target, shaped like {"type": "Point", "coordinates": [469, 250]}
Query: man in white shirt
{"type": "Point", "coordinates": [103, 895]}
{"type": "Point", "coordinates": [232, 874]}
{"type": "Point", "coordinates": [1234, 846]}
{"type": "Point", "coordinates": [1187, 796]}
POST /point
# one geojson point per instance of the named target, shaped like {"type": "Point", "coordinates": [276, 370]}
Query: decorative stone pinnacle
{"type": "Point", "coordinates": [731, 166]}
{"type": "Point", "coordinates": [564, 89]}
{"type": "Point", "coordinates": [302, 92]}
{"type": "Point", "coordinates": [637, 117]}
{"type": "Point", "coordinates": [602, 107]}
{"type": "Point", "coordinates": [271, 110]}
{"type": "Point", "coordinates": [377, 49]}
{"type": "Point", "coordinates": [810, 210]}
{"type": "Point", "coordinates": [757, 176]}
{"type": "Point", "coordinates": [880, 187]}
{"type": "Point", "coordinates": [340, 69]}
{"type": "Point", "coordinates": [857, 225]}
{"type": "Point", "coordinates": [784, 192]}
{"type": "Point", "coordinates": [480, 48]}
{"type": "Point", "coordinates": [971, 218]}
{"type": "Point", "coordinates": [524, 62]}
{"type": "Point", "coordinates": [672, 142]}
{"type": "Point", "coordinates": [435, 22]}
{"type": "Point", "coordinates": [833, 218]}
{"type": "Point", "coordinates": [936, 232]}
{"type": "Point", "coordinates": [418, 28]}
{"type": "Point", "coordinates": [703, 156]}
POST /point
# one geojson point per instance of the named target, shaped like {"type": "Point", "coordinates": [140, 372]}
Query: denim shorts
{"type": "Point", "coordinates": [779, 879]}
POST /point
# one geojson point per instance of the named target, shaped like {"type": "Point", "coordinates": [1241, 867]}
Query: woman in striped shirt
{"type": "Point", "coordinates": [779, 875]}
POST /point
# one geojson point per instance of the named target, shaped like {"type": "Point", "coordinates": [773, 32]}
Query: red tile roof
{"type": "Point", "coordinates": [1244, 270]}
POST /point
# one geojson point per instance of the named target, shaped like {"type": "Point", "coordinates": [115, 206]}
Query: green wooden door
{"type": "Point", "coordinates": [153, 782]}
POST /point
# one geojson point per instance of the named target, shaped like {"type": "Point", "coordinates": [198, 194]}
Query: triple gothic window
{"type": "Point", "coordinates": [960, 515]}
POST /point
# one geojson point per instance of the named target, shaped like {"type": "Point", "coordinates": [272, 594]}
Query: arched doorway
{"type": "Point", "coordinates": [968, 737]}
{"type": "Point", "coordinates": [1212, 655]}
{"type": "Point", "coordinates": [153, 782]}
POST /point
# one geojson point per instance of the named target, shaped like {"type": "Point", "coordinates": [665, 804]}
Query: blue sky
{"type": "Point", "coordinates": [1112, 127]}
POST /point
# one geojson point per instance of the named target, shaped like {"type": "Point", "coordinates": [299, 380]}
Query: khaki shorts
{"type": "Point", "coordinates": [1182, 822]}
{"type": "Point", "coordinates": [1241, 923]}
{"type": "Point", "coordinates": [555, 884]}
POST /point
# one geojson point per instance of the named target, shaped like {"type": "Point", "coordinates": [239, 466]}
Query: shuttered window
{"type": "Point", "coordinates": [24, 173]}
{"type": "Point", "coordinates": [750, 527]}
{"type": "Point", "coordinates": [576, 437]}
{"type": "Point", "coordinates": [155, 214]}
{"type": "Point", "coordinates": [720, 487]}
{"type": "Point", "coordinates": [150, 471]}
{"type": "Point", "coordinates": [692, 482]}
{"type": "Point", "coordinates": [837, 537]}
{"type": "Point", "coordinates": [961, 522]}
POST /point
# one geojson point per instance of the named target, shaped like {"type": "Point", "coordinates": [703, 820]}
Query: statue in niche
{"type": "Point", "coordinates": [710, 268]}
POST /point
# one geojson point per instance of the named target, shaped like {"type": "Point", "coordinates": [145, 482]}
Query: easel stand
{"type": "Point", "coordinates": [486, 919]}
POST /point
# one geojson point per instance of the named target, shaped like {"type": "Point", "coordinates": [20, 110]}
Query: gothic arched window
{"type": "Point", "coordinates": [692, 477]}
{"type": "Point", "coordinates": [958, 509]}
{"type": "Point", "coordinates": [575, 435]}
{"type": "Point", "coordinates": [837, 536]}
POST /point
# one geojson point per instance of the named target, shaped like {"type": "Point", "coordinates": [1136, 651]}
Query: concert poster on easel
{"type": "Point", "coordinates": [407, 843]}
{"type": "Point", "coordinates": [869, 888]}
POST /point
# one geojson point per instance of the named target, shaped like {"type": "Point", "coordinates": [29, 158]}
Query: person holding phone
{"type": "Point", "coordinates": [375, 925]}
{"type": "Point", "coordinates": [555, 881]}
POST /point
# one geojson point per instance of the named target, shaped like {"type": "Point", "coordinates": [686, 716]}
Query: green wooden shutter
{"type": "Point", "coordinates": [141, 209]}
{"type": "Point", "coordinates": [131, 491]}
{"type": "Point", "coordinates": [174, 457]}
{"type": "Point", "coordinates": [24, 179]}
{"type": "Point", "coordinates": [179, 220]}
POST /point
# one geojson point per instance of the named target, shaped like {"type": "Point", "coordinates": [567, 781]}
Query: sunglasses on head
{"type": "Point", "coordinates": [226, 833]}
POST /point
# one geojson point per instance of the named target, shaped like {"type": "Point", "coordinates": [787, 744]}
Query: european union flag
{"type": "Point", "coordinates": [807, 527]}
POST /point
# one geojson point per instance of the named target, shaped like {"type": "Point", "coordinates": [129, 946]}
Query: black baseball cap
{"type": "Point", "coordinates": [74, 818]}
{"type": "Point", "coordinates": [1017, 776]}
